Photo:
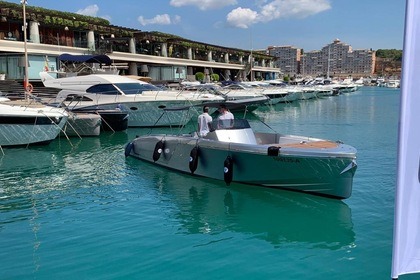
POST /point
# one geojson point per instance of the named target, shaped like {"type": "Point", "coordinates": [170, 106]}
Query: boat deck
{"type": "Point", "coordinates": [23, 103]}
{"type": "Point", "coordinates": [311, 145]}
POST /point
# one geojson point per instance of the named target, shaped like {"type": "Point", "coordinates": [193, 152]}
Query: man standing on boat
{"type": "Point", "coordinates": [225, 118]}
{"type": "Point", "coordinates": [203, 122]}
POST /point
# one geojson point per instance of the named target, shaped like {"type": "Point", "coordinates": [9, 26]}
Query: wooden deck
{"type": "Point", "coordinates": [312, 145]}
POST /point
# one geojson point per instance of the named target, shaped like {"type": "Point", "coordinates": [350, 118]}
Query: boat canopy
{"type": "Point", "coordinates": [102, 59]}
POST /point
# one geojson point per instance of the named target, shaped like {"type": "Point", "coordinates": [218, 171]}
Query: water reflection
{"type": "Point", "coordinates": [62, 165]}
{"type": "Point", "coordinates": [209, 207]}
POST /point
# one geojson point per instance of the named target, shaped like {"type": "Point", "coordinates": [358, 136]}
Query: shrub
{"type": "Point", "coordinates": [199, 76]}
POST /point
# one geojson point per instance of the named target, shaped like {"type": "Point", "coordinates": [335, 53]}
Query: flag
{"type": "Point", "coordinates": [46, 65]}
{"type": "Point", "coordinates": [406, 244]}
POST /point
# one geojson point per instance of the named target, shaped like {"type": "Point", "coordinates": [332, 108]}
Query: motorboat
{"type": "Point", "coordinates": [250, 100]}
{"type": "Point", "coordinates": [393, 83]}
{"type": "Point", "coordinates": [275, 94]}
{"type": "Point", "coordinates": [143, 101]}
{"type": "Point", "coordinates": [234, 152]}
{"type": "Point", "coordinates": [346, 86]}
{"type": "Point", "coordinates": [82, 124]}
{"type": "Point", "coordinates": [110, 119]}
{"type": "Point", "coordinates": [25, 122]}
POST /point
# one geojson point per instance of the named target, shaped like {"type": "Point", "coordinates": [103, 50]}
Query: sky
{"type": "Point", "coordinates": [255, 24]}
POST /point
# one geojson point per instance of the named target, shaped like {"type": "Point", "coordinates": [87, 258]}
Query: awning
{"type": "Point", "coordinates": [101, 58]}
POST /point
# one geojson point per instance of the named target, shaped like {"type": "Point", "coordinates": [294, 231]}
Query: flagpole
{"type": "Point", "coordinates": [25, 77]}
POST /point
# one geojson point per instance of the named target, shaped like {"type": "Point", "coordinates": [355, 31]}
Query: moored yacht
{"type": "Point", "coordinates": [24, 122]}
{"type": "Point", "coordinates": [233, 152]}
{"type": "Point", "coordinates": [143, 102]}
{"type": "Point", "coordinates": [82, 124]}
{"type": "Point", "coordinates": [275, 94]}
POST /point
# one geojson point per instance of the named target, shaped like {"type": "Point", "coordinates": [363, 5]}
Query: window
{"type": "Point", "coordinates": [136, 88]}
{"type": "Point", "coordinates": [103, 89]}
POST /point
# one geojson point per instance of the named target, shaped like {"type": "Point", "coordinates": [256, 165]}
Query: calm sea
{"type": "Point", "coordinates": [80, 210]}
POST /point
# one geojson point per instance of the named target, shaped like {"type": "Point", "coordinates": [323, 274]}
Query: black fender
{"type": "Point", "coordinates": [193, 159]}
{"type": "Point", "coordinates": [128, 148]}
{"type": "Point", "coordinates": [273, 151]}
{"type": "Point", "coordinates": [158, 150]}
{"type": "Point", "coordinates": [228, 170]}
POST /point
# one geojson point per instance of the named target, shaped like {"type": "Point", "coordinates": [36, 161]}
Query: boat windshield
{"type": "Point", "coordinates": [229, 124]}
{"type": "Point", "coordinates": [126, 88]}
{"type": "Point", "coordinates": [136, 88]}
{"type": "Point", "coordinates": [108, 89]}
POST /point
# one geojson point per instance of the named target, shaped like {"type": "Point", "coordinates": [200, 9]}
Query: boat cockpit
{"type": "Point", "coordinates": [235, 130]}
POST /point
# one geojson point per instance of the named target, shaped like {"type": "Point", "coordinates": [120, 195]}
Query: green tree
{"type": "Point", "coordinates": [392, 54]}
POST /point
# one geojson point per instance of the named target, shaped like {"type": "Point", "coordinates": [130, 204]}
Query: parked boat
{"type": "Point", "coordinates": [143, 102]}
{"type": "Point", "coordinates": [26, 123]}
{"type": "Point", "coordinates": [393, 83]}
{"type": "Point", "coordinates": [275, 94]}
{"type": "Point", "coordinates": [346, 86]}
{"type": "Point", "coordinates": [113, 120]}
{"type": "Point", "coordinates": [243, 100]}
{"type": "Point", "coordinates": [110, 119]}
{"type": "Point", "coordinates": [82, 124]}
{"type": "Point", "coordinates": [238, 154]}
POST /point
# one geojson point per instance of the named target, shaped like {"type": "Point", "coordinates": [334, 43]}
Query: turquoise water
{"type": "Point", "coordinates": [81, 210]}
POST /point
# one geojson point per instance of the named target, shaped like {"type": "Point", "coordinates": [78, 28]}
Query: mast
{"type": "Point", "coordinates": [24, 27]}
{"type": "Point", "coordinates": [328, 63]}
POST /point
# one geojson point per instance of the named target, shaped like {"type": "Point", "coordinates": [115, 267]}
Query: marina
{"type": "Point", "coordinates": [79, 207]}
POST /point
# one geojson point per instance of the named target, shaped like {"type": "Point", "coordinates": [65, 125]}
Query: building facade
{"type": "Point", "coordinates": [288, 59]}
{"type": "Point", "coordinates": [161, 56]}
{"type": "Point", "coordinates": [334, 60]}
{"type": "Point", "coordinates": [338, 60]}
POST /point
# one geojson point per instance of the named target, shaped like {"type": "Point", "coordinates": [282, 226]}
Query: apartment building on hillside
{"type": "Point", "coordinates": [336, 59]}
{"type": "Point", "coordinates": [288, 59]}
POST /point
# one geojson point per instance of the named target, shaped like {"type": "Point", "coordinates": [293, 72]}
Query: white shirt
{"type": "Point", "coordinates": [203, 124]}
{"type": "Point", "coordinates": [225, 120]}
{"type": "Point", "coordinates": [226, 116]}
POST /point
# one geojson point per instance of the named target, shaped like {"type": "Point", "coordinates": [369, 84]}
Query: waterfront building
{"type": "Point", "coordinates": [338, 59]}
{"type": "Point", "coordinates": [163, 57]}
{"type": "Point", "coordinates": [333, 60]}
{"type": "Point", "coordinates": [288, 59]}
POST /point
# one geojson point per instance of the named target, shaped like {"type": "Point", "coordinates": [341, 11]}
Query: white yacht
{"type": "Point", "coordinates": [24, 122]}
{"type": "Point", "coordinates": [393, 84]}
{"type": "Point", "coordinates": [276, 94]}
{"type": "Point", "coordinates": [144, 102]}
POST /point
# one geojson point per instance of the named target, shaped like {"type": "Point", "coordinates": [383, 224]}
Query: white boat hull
{"type": "Point", "coordinates": [24, 125]}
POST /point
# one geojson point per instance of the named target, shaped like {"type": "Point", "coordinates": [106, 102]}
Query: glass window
{"type": "Point", "coordinates": [103, 89]}
{"type": "Point", "coordinates": [136, 88]}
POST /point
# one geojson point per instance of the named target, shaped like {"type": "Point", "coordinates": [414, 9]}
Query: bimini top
{"type": "Point", "coordinates": [102, 59]}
